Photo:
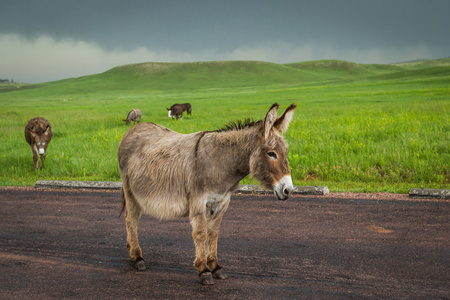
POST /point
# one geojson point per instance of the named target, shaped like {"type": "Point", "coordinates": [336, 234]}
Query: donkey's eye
{"type": "Point", "coordinates": [272, 154]}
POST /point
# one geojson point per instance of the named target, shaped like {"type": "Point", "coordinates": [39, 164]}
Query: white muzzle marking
{"type": "Point", "coordinates": [170, 114]}
{"type": "Point", "coordinates": [283, 188]}
{"type": "Point", "coordinates": [41, 151]}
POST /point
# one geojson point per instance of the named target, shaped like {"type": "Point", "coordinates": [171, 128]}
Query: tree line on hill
{"type": "Point", "coordinates": [6, 81]}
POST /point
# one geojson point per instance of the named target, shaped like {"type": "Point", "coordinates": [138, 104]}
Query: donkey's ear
{"type": "Point", "coordinates": [46, 130]}
{"type": "Point", "coordinates": [270, 119]}
{"type": "Point", "coordinates": [282, 123]}
{"type": "Point", "coordinates": [33, 134]}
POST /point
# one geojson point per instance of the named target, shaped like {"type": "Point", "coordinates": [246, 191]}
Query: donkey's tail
{"type": "Point", "coordinates": [123, 202]}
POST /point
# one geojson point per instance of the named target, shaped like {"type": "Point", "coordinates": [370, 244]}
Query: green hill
{"type": "Point", "coordinates": [421, 64]}
{"type": "Point", "coordinates": [218, 74]}
{"type": "Point", "coordinates": [339, 70]}
{"type": "Point", "coordinates": [163, 77]}
{"type": "Point", "coordinates": [152, 76]}
{"type": "Point", "coordinates": [186, 76]}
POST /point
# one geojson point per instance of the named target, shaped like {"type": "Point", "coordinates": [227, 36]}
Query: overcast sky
{"type": "Point", "coordinates": [46, 40]}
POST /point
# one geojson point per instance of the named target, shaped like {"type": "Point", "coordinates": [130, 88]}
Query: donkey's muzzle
{"type": "Point", "coordinates": [41, 151]}
{"type": "Point", "coordinates": [283, 188]}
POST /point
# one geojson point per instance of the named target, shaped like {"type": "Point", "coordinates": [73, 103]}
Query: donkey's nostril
{"type": "Point", "coordinates": [284, 188]}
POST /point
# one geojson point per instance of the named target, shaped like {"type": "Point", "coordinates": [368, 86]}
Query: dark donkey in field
{"type": "Point", "coordinates": [167, 174]}
{"type": "Point", "coordinates": [38, 134]}
{"type": "Point", "coordinates": [134, 115]}
{"type": "Point", "coordinates": [177, 110]}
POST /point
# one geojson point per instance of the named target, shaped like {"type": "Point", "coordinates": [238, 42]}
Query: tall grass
{"type": "Point", "coordinates": [372, 133]}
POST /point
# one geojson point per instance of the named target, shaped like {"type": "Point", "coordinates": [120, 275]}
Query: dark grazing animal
{"type": "Point", "coordinates": [134, 115]}
{"type": "Point", "coordinates": [38, 134]}
{"type": "Point", "coordinates": [167, 175]}
{"type": "Point", "coordinates": [177, 110]}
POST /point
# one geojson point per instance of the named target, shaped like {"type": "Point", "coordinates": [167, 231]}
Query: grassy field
{"type": "Point", "coordinates": [361, 128]}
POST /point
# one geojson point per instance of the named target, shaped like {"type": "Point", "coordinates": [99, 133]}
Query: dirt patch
{"type": "Point", "coordinates": [71, 244]}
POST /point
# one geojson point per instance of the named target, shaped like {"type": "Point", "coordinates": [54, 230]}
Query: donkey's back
{"type": "Point", "coordinates": [154, 160]}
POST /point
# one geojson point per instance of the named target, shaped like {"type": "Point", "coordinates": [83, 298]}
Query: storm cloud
{"type": "Point", "coordinates": [49, 40]}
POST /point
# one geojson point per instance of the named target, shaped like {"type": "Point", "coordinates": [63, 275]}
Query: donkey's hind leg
{"type": "Point", "coordinates": [132, 214]}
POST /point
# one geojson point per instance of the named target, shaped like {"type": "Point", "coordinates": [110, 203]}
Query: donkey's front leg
{"type": "Point", "coordinates": [35, 159]}
{"type": "Point", "coordinates": [42, 160]}
{"type": "Point", "coordinates": [212, 258]}
{"type": "Point", "coordinates": [199, 233]}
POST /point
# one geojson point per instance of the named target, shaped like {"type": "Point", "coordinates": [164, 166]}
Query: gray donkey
{"type": "Point", "coordinates": [134, 115]}
{"type": "Point", "coordinates": [167, 175]}
{"type": "Point", "coordinates": [38, 134]}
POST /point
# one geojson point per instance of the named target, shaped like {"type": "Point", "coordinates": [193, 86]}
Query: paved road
{"type": "Point", "coordinates": [71, 244]}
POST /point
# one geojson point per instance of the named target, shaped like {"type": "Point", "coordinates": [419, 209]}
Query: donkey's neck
{"type": "Point", "coordinates": [224, 157]}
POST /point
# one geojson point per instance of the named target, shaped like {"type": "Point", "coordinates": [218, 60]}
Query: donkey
{"type": "Point", "coordinates": [177, 110]}
{"type": "Point", "coordinates": [134, 115]}
{"type": "Point", "coordinates": [38, 134]}
{"type": "Point", "coordinates": [167, 174]}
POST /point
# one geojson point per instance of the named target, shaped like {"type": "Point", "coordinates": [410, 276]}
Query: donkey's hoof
{"type": "Point", "coordinates": [140, 265]}
{"type": "Point", "coordinates": [206, 278]}
{"type": "Point", "coordinates": [220, 274]}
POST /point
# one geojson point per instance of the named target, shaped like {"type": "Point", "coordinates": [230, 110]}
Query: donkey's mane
{"type": "Point", "coordinates": [38, 129]}
{"type": "Point", "coordinates": [238, 125]}
{"type": "Point", "coordinates": [230, 126]}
